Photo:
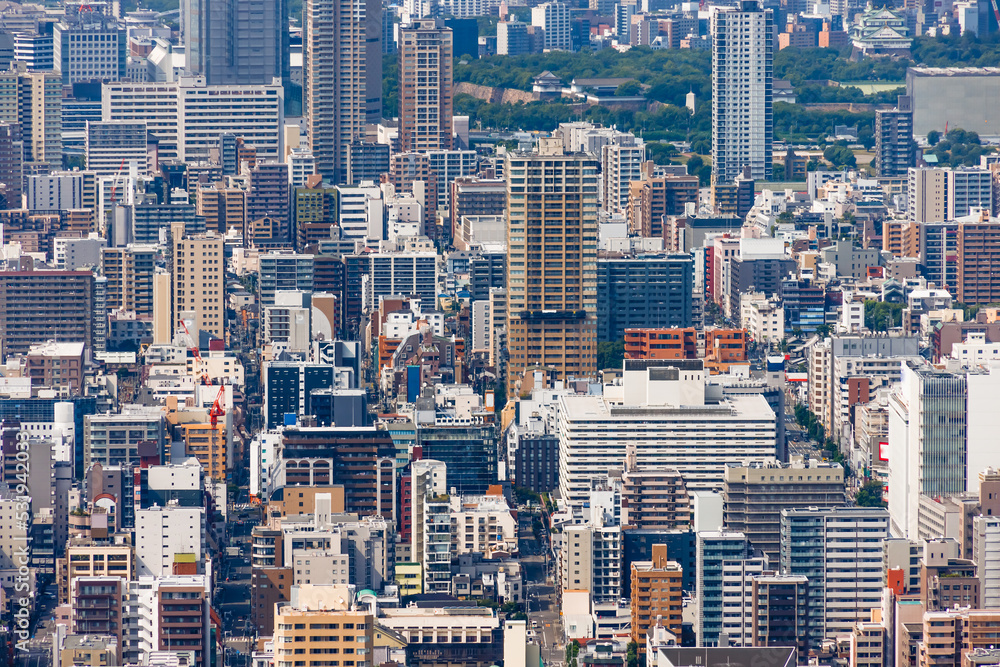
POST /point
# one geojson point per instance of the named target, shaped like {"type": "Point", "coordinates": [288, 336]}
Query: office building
{"type": "Point", "coordinates": [553, 18]}
{"type": "Point", "coordinates": [552, 255]}
{"type": "Point", "coordinates": [54, 192]}
{"type": "Point", "coordinates": [469, 452]}
{"type": "Point", "coordinates": [198, 282]}
{"type": "Point", "coordinates": [341, 78]}
{"type": "Point", "coordinates": [840, 551]}
{"type": "Point", "coordinates": [87, 47]}
{"type": "Point", "coordinates": [643, 292]}
{"type": "Point", "coordinates": [513, 38]}
{"type": "Point", "coordinates": [653, 407]}
{"type": "Point", "coordinates": [188, 116]}
{"type": "Point", "coordinates": [742, 115]}
{"type": "Point", "coordinates": [366, 161]}
{"type": "Point", "coordinates": [236, 41]}
{"type": "Point", "coordinates": [895, 150]}
{"type": "Point", "coordinates": [656, 595]}
{"type": "Point", "coordinates": [754, 495]}
{"type": "Point", "coordinates": [39, 305]}
{"type": "Point", "coordinates": [927, 441]}
{"type": "Point", "coordinates": [425, 86]}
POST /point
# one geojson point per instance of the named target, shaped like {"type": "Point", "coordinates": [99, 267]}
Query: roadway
{"type": "Point", "coordinates": [544, 618]}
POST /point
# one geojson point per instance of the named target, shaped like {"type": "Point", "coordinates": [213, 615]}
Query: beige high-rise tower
{"type": "Point", "coordinates": [341, 79]}
{"type": "Point", "coordinates": [198, 263]}
{"type": "Point", "coordinates": [425, 86]}
{"type": "Point", "coordinates": [552, 263]}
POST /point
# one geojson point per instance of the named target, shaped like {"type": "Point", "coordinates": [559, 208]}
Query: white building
{"type": "Point", "coordinates": [986, 554]}
{"type": "Point", "coordinates": [742, 124]}
{"type": "Point", "coordinates": [189, 116]}
{"type": "Point", "coordinates": [161, 533]}
{"type": "Point", "coordinates": [660, 407]}
{"type": "Point", "coordinates": [430, 534]}
{"type": "Point", "coordinates": [482, 326]}
{"type": "Point", "coordinates": [54, 192]}
{"type": "Point", "coordinates": [975, 351]}
{"type": "Point", "coordinates": [621, 163]}
{"type": "Point", "coordinates": [142, 631]}
{"type": "Point", "coordinates": [482, 524]}
{"type": "Point", "coordinates": [763, 319]}
{"type": "Point", "coordinates": [737, 598]}
{"type": "Point", "coordinates": [361, 211]}
{"type": "Point", "coordinates": [840, 550]}
{"type": "Point", "coordinates": [553, 18]}
{"type": "Point", "coordinates": [115, 148]}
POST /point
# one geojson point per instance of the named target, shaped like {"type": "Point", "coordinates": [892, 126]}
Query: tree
{"type": "Point", "coordinates": [572, 651]}
{"type": "Point", "coordinates": [840, 157]}
{"type": "Point", "coordinates": [870, 494]}
{"type": "Point", "coordinates": [933, 137]}
{"type": "Point", "coordinates": [882, 316]}
{"type": "Point", "coordinates": [629, 89]}
{"type": "Point", "coordinates": [632, 655]}
{"type": "Point", "coordinates": [610, 354]}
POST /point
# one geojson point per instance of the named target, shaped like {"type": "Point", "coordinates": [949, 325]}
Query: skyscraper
{"type": "Point", "coordinates": [236, 41]}
{"type": "Point", "coordinates": [894, 148]}
{"type": "Point", "coordinates": [742, 116]}
{"type": "Point", "coordinates": [425, 86]}
{"type": "Point", "coordinates": [552, 268]}
{"type": "Point", "coordinates": [342, 78]}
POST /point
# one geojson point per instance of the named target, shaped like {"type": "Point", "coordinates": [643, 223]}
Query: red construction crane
{"type": "Point", "coordinates": [996, 13]}
{"type": "Point", "coordinates": [217, 410]}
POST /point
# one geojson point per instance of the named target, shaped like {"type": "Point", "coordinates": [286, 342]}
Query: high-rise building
{"type": "Point", "coordinates": [939, 195]}
{"type": "Point", "coordinates": [656, 595]}
{"type": "Point", "coordinates": [11, 167]}
{"type": "Point", "coordinates": [643, 292]}
{"type": "Point", "coordinates": [978, 249]}
{"type": "Point", "coordinates": [129, 271]}
{"type": "Point", "coordinates": [742, 115]}
{"type": "Point", "coordinates": [341, 78]}
{"type": "Point", "coordinates": [34, 100]}
{"type": "Point", "coordinates": [653, 197]}
{"type": "Point", "coordinates": [655, 406]}
{"type": "Point", "coordinates": [89, 46]}
{"type": "Point", "coordinates": [754, 495]}
{"type": "Point", "coordinates": [840, 551]}
{"type": "Point", "coordinates": [895, 150]}
{"type": "Point", "coordinates": [112, 147]}
{"type": "Point", "coordinates": [198, 281]}
{"type": "Point", "coordinates": [552, 247]}
{"type": "Point", "coordinates": [223, 208]}
{"type": "Point", "coordinates": [425, 86]}
{"type": "Point", "coordinates": [715, 549]}
{"type": "Point", "coordinates": [283, 271]}
{"type": "Point", "coordinates": [553, 18]}
{"type": "Point", "coordinates": [269, 197]}
{"type": "Point", "coordinates": [927, 441]}
{"type": "Point", "coordinates": [236, 41]}
{"type": "Point", "coordinates": [39, 305]}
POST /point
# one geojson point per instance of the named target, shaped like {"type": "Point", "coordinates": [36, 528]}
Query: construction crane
{"type": "Point", "coordinates": [996, 13]}
{"type": "Point", "coordinates": [197, 355]}
{"type": "Point", "coordinates": [217, 410]}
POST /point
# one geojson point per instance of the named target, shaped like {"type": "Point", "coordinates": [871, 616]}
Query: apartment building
{"type": "Point", "coordinates": [656, 595]}
{"type": "Point", "coordinates": [198, 287]}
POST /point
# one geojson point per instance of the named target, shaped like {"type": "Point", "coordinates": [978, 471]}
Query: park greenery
{"type": "Point", "coordinates": [665, 78]}
{"type": "Point", "coordinates": [883, 316]}
{"type": "Point", "coordinates": [870, 494]}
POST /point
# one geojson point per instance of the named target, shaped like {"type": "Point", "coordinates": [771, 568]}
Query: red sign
{"type": "Point", "coordinates": [883, 451]}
